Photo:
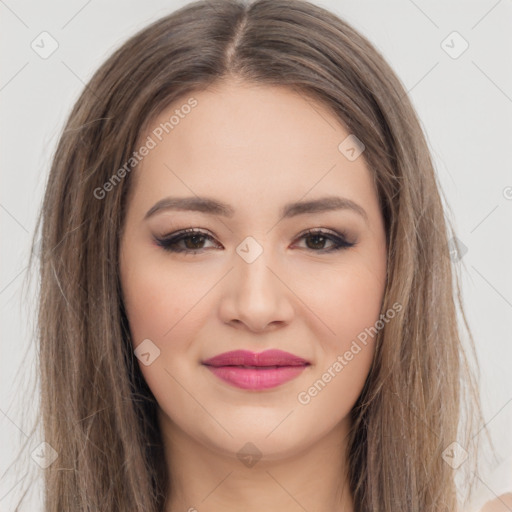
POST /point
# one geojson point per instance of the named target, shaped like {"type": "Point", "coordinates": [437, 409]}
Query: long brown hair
{"type": "Point", "coordinates": [97, 411]}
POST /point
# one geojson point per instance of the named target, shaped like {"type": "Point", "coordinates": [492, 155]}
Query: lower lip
{"type": "Point", "coordinates": [252, 378]}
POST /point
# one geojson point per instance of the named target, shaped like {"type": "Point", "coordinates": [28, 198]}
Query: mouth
{"type": "Point", "coordinates": [256, 371]}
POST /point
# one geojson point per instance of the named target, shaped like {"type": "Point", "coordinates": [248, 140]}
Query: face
{"type": "Point", "coordinates": [256, 272]}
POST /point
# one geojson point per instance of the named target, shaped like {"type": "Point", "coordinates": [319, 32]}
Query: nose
{"type": "Point", "coordinates": [256, 296]}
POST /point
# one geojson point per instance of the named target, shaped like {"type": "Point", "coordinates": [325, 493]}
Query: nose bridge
{"type": "Point", "coordinates": [256, 296]}
{"type": "Point", "coordinates": [252, 264]}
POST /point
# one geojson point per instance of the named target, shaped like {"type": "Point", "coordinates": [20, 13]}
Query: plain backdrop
{"type": "Point", "coordinates": [464, 101]}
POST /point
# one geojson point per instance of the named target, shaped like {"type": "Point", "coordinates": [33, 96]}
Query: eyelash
{"type": "Point", "coordinates": [169, 241]}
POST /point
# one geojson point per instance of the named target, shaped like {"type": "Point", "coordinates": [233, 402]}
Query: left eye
{"type": "Point", "coordinates": [193, 240]}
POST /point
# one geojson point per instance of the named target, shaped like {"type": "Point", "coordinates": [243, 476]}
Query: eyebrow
{"type": "Point", "coordinates": [214, 207]}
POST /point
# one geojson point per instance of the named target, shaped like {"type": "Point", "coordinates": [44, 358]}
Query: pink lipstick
{"type": "Point", "coordinates": [251, 370]}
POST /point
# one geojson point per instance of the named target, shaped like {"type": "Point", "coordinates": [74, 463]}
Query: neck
{"type": "Point", "coordinates": [205, 480]}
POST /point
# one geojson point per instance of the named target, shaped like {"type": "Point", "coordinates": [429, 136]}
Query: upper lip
{"type": "Point", "coordinates": [247, 358]}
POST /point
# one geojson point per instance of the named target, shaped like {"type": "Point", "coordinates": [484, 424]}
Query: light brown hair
{"type": "Point", "coordinates": [97, 411]}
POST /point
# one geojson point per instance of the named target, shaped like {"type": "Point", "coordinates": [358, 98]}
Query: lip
{"type": "Point", "coordinates": [256, 371]}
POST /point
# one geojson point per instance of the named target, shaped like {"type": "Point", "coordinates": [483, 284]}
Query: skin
{"type": "Point", "coordinates": [502, 503]}
{"type": "Point", "coordinates": [255, 148]}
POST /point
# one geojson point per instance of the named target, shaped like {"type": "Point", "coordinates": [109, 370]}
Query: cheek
{"type": "Point", "coordinates": [342, 302]}
{"type": "Point", "coordinates": [351, 307]}
{"type": "Point", "coordinates": [353, 312]}
{"type": "Point", "coordinates": [360, 299]}
{"type": "Point", "coordinates": [163, 305]}
{"type": "Point", "coordinates": [348, 304]}
{"type": "Point", "coordinates": [156, 300]}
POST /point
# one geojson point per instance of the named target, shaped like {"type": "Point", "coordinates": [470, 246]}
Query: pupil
{"type": "Point", "coordinates": [321, 237]}
{"type": "Point", "coordinates": [193, 240]}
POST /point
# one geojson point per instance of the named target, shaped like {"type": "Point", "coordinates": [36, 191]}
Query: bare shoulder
{"type": "Point", "coordinates": [502, 503]}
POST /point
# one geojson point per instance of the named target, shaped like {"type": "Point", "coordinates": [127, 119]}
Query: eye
{"type": "Point", "coordinates": [319, 237]}
{"type": "Point", "coordinates": [192, 238]}
{"type": "Point", "coordinates": [191, 241]}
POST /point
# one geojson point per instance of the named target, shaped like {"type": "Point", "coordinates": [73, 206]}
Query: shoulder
{"type": "Point", "coordinates": [502, 503]}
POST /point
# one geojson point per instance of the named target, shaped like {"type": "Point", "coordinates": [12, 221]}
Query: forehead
{"type": "Point", "coordinates": [258, 141]}
{"type": "Point", "coordinates": [248, 120]}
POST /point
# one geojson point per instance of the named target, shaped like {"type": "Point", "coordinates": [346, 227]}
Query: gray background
{"type": "Point", "coordinates": [464, 103]}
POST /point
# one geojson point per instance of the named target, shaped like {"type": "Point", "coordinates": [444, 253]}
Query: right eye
{"type": "Point", "coordinates": [192, 241]}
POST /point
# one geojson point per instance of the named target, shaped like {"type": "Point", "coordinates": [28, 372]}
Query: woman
{"type": "Point", "coordinates": [246, 287]}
